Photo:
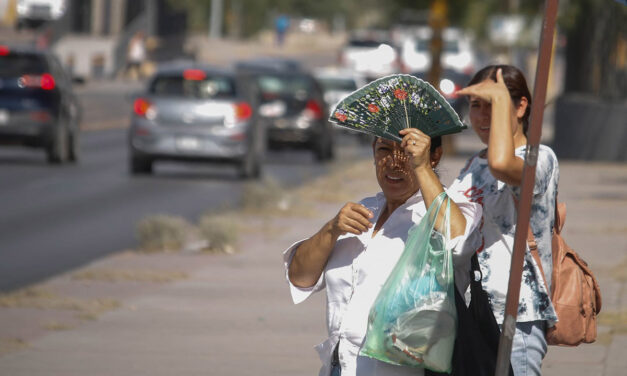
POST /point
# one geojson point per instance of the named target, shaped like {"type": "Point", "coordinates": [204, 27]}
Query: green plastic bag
{"type": "Point", "coordinates": [413, 321]}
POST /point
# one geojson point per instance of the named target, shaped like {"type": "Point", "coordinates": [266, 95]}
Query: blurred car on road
{"type": "Point", "coordinates": [38, 107]}
{"type": "Point", "coordinates": [457, 51]}
{"type": "Point", "coordinates": [450, 82]}
{"type": "Point", "coordinates": [33, 12]}
{"type": "Point", "coordinates": [192, 112]}
{"type": "Point", "coordinates": [290, 104]}
{"type": "Point", "coordinates": [337, 84]}
{"type": "Point", "coordinates": [371, 54]}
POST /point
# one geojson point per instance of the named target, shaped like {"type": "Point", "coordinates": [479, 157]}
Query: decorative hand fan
{"type": "Point", "coordinates": [389, 104]}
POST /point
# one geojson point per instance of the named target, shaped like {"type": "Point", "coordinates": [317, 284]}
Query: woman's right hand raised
{"type": "Point", "coordinates": [352, 218]}
{"type": "Point", "coordinates": [487, 90]}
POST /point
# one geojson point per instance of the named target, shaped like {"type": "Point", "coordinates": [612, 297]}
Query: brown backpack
{"type": "Point", "coordinates": [575, 292]}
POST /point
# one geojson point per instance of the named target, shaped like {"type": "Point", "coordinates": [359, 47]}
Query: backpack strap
{"type": "Point", "coordinates": [531, 240]}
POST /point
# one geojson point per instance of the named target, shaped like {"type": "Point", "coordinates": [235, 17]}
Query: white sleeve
{"type": "Point", "coordinates": [299, 294]}
{"type": "Point", "coordinates": [472, 212]}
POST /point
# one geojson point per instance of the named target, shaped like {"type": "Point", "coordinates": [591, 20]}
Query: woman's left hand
{"type": "Point", "coordinates": [417, 147]}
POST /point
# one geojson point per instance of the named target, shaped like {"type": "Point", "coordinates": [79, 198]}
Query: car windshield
{"type": "Point", "coordinates": [14, 65]}
{"type": "Point", "coordinates": [338, 84]}
{"type": "Point", "coordinates": [450, 46]}
{"type": "Point", "coordinates": [205, 88]}
{"type": "Point", "coordinates": [281, 86]}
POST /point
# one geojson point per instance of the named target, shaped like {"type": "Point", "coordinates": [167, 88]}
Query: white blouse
{"type": "Point", "coordinates": [356, 271]}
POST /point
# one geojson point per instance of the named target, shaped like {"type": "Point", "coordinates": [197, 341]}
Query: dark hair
{"type": "Point", "coordinates": [515, 82]}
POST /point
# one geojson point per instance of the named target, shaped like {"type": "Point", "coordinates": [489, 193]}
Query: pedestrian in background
{"type": "Point", "coordinates": [136, 55]}
{"type": "Point", "coordinates": [500, 104]}
{"type": "Point", "coordinates": [353, 254]}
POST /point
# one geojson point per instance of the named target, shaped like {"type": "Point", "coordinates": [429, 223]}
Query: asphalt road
{"type": "Point", "coordinates": [55, 218]}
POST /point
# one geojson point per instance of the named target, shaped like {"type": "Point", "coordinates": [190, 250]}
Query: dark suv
{"type": "Point", "coordinates": [37, 105]}
{"type": "Point", "coordinates": [290, 105]}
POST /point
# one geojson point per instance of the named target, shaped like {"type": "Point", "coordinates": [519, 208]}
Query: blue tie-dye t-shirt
{"type": "Point", "coordinates": [494, 239]}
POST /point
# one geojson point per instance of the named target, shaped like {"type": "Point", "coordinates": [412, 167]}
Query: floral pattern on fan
{"type": "Point", "coordinates": [385, 106]}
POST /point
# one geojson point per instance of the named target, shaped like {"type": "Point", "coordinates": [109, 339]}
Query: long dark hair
{"type": "Point", "coordinates": [515, 82]}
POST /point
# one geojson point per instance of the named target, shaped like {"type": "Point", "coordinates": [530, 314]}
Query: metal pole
{"type": "Point", "coordinates": [524, 204]}
{"type": "Point", "coordinates": [215, 27]}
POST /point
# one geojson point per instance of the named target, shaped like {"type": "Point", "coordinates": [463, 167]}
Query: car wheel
{"type": "Point", "coordinates": [323, 149]}
{"type": "Point", "coordinates": [57, 150]}
{"type": "Point", "coordinates": [250, 167]}
{"type": "Point", "coordinates": [74, 148]}
{"type": "Point", "coordinates": [140, 165]}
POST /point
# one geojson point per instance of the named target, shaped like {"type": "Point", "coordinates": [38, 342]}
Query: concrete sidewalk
{"type": "Point", "coordinates": [213, 314]}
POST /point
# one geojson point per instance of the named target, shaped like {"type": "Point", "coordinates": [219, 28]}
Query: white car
{"type": "Point", "coordinates": [337, 83]}
{"type": "Point", "coordinates": [457, 52]}
{"type": "Point", "coordinates": [370, 55]}
{"type": "Point", "coordinates": [30, 11]}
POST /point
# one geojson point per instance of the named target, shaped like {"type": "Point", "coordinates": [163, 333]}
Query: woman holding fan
{"type": "Point", "coordinates": [352, 255]}
{"type": "Point", "coordinates": [500, 104]}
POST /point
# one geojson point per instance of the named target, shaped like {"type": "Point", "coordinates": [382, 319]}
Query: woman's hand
{"type": "Point", "coordinates": [488, 90]}
{"type": "Point", "coordinates": [312, 255]}
{"type": "Point", "coordinates": [417, 147]}
{"type": "Point", "coordinates": [353, 218]}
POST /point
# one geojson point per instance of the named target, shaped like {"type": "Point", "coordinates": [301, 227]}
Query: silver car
{"type": "Point", "coordinates": [194, 113]}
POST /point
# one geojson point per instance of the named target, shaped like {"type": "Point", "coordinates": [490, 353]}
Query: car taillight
{"type": "Point", "coordinates": [314, 109]}
{"type": "Point", "coordinates": [4, 51]}
{"type": "Point", "coordinates": [243, 111]}
{"type": "Point", "coordinates": [141, 106]}
{"type": "Point", "coordinates": [45, 81]}
{"type": "Point", "coordinates": [194, 74]}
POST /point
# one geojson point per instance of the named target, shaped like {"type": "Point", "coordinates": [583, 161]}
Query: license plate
{"type": "Point", "coordinates": [4, 117]}
{"type": "Point", "coordinates": [187, 143]}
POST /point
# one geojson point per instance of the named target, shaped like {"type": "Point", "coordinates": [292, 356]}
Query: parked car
{"type": "Point", "coordinates": [290, 105]}
{"type": "Point", "coordinates": [457, 51]}
{"type": "Point", "coordinates": [371, 54]}
{"type": "Point", "coordinates": [450, 82]}
{"type": "Point", "coordinates": [33, 12]}
{"type": "Point", "coordinates": [192, 112]}
{"type": "Point", "coordinates": [37, 105]}
{"type": "Point", "coordinates": [337, 84]}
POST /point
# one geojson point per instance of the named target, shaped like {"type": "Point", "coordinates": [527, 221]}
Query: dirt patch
{"type": "Point", "coordinates": [130, 275]}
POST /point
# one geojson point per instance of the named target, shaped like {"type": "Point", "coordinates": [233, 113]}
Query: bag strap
{"type": "Point", "coordinates": [531, 240]}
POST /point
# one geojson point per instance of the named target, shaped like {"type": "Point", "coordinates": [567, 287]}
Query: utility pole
{"type": "Point", "coordinates": [524, 204]}
{"type": "Point", "coordinates": [215, 22]}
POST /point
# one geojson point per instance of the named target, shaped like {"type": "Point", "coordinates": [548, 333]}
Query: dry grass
{"type": "Point", "coordinates": [268, 198]}
{"type": "Point", "coordinates": [219, 231]}
{"type": "Point", "coordinates": [9, 345]}
{"type": "Point", "coordinates": [129, 275]}
{"type": "Point", "coordinates": [39, 298]}
{"type": "Point", "coordinates": [57, 326]}
{"type": "Point", "coordinates": [161, 232]}
{"type": "Point", "coordinates": [346, 182]}
{"type": "Point", "coordinates": [619, 272]}
{"type": "Point", "coordinates": [617, 321]}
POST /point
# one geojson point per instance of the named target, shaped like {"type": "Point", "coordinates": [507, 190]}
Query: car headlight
{"type": "Point", "coordinates": [22, 9]}
{"type": "Point", "coordinates": [447, 86]}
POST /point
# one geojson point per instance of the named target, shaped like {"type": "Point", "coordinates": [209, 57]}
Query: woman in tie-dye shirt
{"type": "Point", "coordinates": [500, 104]}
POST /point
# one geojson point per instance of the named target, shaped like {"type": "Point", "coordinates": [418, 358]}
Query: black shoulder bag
{"type": "Point", "coordinates": [478, 333]}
